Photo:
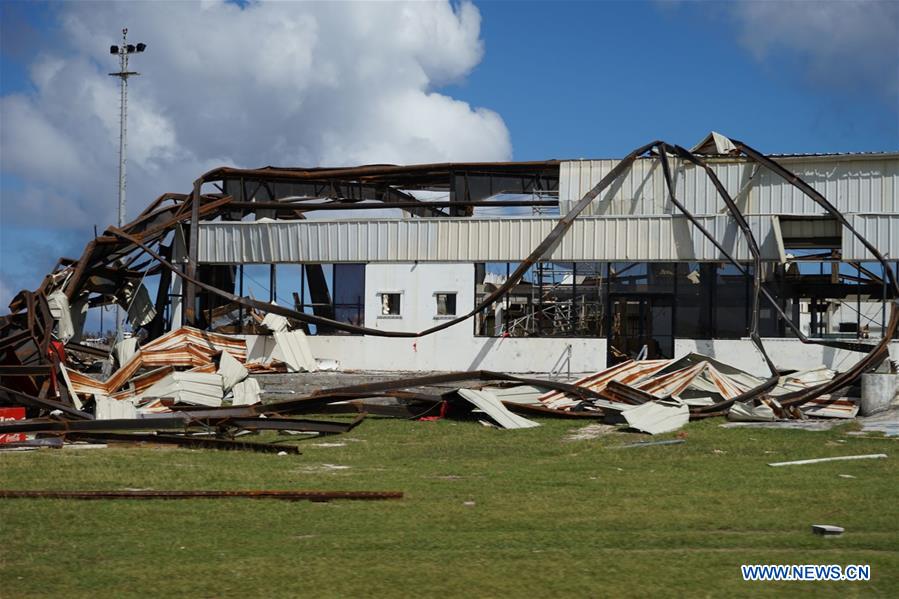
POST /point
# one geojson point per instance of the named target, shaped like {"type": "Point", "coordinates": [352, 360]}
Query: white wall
{"type": "Point", "coordinates": [439, 352]}
{"type": "Point", "coordinates": [455, 348]}
{"type": "Point", "coordinates": [447, 350]}
{"type": "Point", "coordinates": [417, 283]}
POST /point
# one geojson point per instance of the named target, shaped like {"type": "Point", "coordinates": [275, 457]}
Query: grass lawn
{"type": "Point", "coordinates": [550, 517]}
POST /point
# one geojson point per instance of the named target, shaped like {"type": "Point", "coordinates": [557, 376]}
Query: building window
{"type": "Point", "coordinates": [553, 299]}
{"type": "Point", "coordinates": [390, 304]}
{"type": "Point", "coordinates": [732, 300]}
{"type": "Point", "coordinates": [348, 289]}
{"type": "Point", "coordinates": [446, 304]}
{"type": "Point", "coordinates": [334, 291]}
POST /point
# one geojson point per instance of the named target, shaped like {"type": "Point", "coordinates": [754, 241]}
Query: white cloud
{"type": "Point", "coordinates": [284, 83]}
{"type": "Point", "coordinates": [6, 294]}
{"type": "Point", "coordinates": [848, 44]}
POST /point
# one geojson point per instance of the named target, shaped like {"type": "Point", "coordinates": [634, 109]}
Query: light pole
{"type": "Point", "coordinates": [123, 51]}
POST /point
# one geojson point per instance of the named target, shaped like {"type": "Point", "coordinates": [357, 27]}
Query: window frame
{"type": "Point", "coordinates": [380, 296]}
{"type": "Point", "coordinates": [448, 316]}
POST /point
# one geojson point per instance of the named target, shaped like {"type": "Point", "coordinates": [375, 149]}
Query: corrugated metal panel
{"type": "Point", "coordinates": [246, 393]}
{"type": "Point", "coordinates": [488, 403]}
{"type": "Point", "coordinates": [657, 417]}
{"type": "Point", "coordinates": [189, 387]}
{"type": "Point", "coordinates": [292, 348]}
{"type": "Point", "coordinates": [643, 238]}
{"type": "Point", "coordinates": [853, 185]}
{"type": "Point", "coordinates": [881, 230]}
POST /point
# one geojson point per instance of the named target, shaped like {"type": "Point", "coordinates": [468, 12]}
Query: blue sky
{"type": "Point", "coordinates": [583, 79]}
{"type": "Point", "coordinates": [499, 80]}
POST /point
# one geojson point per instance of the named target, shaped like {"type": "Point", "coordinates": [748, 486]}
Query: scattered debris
{"type": "Point", "coordinates": [652, 443]}
{"type": "Point", "coordinates": [803, 425]}
{"type": "Point", "coordinates": [873, 456]}
{"type": "Point", "coordinates": [820, 408]}
{"type": "Point", "coordinates": [231, 371]}
{"type": "Point", "coordinates": [591, 431]}
{"type": "Point", "coordinates": [747, 412]}
{"type": "Point", "coordinates": [658, 417]}
{"type": "Point", "coordinates": [488, 403]}
{"type": "Point", "coordinates": [292, 348]}
{"type": "Point", "coordinates": [827, 529]}
{"type": "Point", "coordinates": [246, 393]}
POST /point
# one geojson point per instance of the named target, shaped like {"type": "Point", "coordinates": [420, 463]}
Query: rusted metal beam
{"type": "Point", "coordinates": [43, 369]}
{"type": "Point", "coordinates": [181, 421]}
{"type": "Point", "coordinates": [190, 441]}
{"type": "Point", "coordinates": [74, 284]}
{"type": "Point", "coordinates": [744, 228]}
{"type": "Point", "coordinates": [168, 495]}
{"type": "Point", "coordinates": [344, 205]}
{"type": "Point", "coordinates": [189, 309]}
{"type": "Point", "coordinates": [379, 170]}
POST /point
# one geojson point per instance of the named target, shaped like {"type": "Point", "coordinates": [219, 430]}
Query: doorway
{"type": "Point", "coordinates": [636, 321]}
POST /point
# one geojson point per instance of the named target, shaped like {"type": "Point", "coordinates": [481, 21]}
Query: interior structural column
{"type": "Point", "coordinates": [190, 290]}
{"type": "Point", "coordinates": [319, 295]}
{"type": "Point", "coordinates": [272, 284]}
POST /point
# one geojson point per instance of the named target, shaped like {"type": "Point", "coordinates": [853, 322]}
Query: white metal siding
{"type": "Point", "coordinates": [852, 184]}
{"type": "Point", "coordinates": [645, 238]}
{"type": "Point", "coordinates": [881, 230]}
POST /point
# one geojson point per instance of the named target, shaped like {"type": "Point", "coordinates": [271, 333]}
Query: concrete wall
{"type": "Point", "coordinates": [446, 351]}
{"type": "Point", "coordinates": [440, 352]}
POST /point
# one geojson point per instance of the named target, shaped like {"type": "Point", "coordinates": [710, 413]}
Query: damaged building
{"type": "Point", "coordinates": [773, 263]}
{"type": "Point", "coordinates": [632, 276]}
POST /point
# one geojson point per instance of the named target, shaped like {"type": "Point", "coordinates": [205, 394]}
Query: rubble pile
{"type": "Point", "coordinates": [196, 388]}
{"type": "Point", "coordinates": [656, 396]}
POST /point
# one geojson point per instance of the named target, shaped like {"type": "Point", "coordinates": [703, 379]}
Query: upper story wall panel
{"type": "Point", "coordinates": [854, 183]}
{"type": "Point", "coordinates": [624, 238]}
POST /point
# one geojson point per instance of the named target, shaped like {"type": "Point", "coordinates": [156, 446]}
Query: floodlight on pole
{"type": "Point", "coordinates": [123, 51]}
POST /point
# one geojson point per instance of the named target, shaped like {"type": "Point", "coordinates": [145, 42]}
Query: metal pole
{"type": "Point", "coordinates": [858, 301]}
{"type": "Point", "coordinates": [272, 284]}
{"type": "Point", "coordinates": [883, 302]}
{"type": "Point", "coordinates": [123, 51]}
{"type": "Point", "coordinates": [123, 124]}
{"type": "Point", "coordinates": [123, 143]}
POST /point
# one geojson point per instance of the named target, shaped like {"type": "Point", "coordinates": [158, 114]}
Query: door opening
{"type": "Point", "coordinates": [636, 321]}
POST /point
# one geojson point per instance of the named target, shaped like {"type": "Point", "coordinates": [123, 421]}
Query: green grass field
{"type": "Point", "coordinates": [550, 517]}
